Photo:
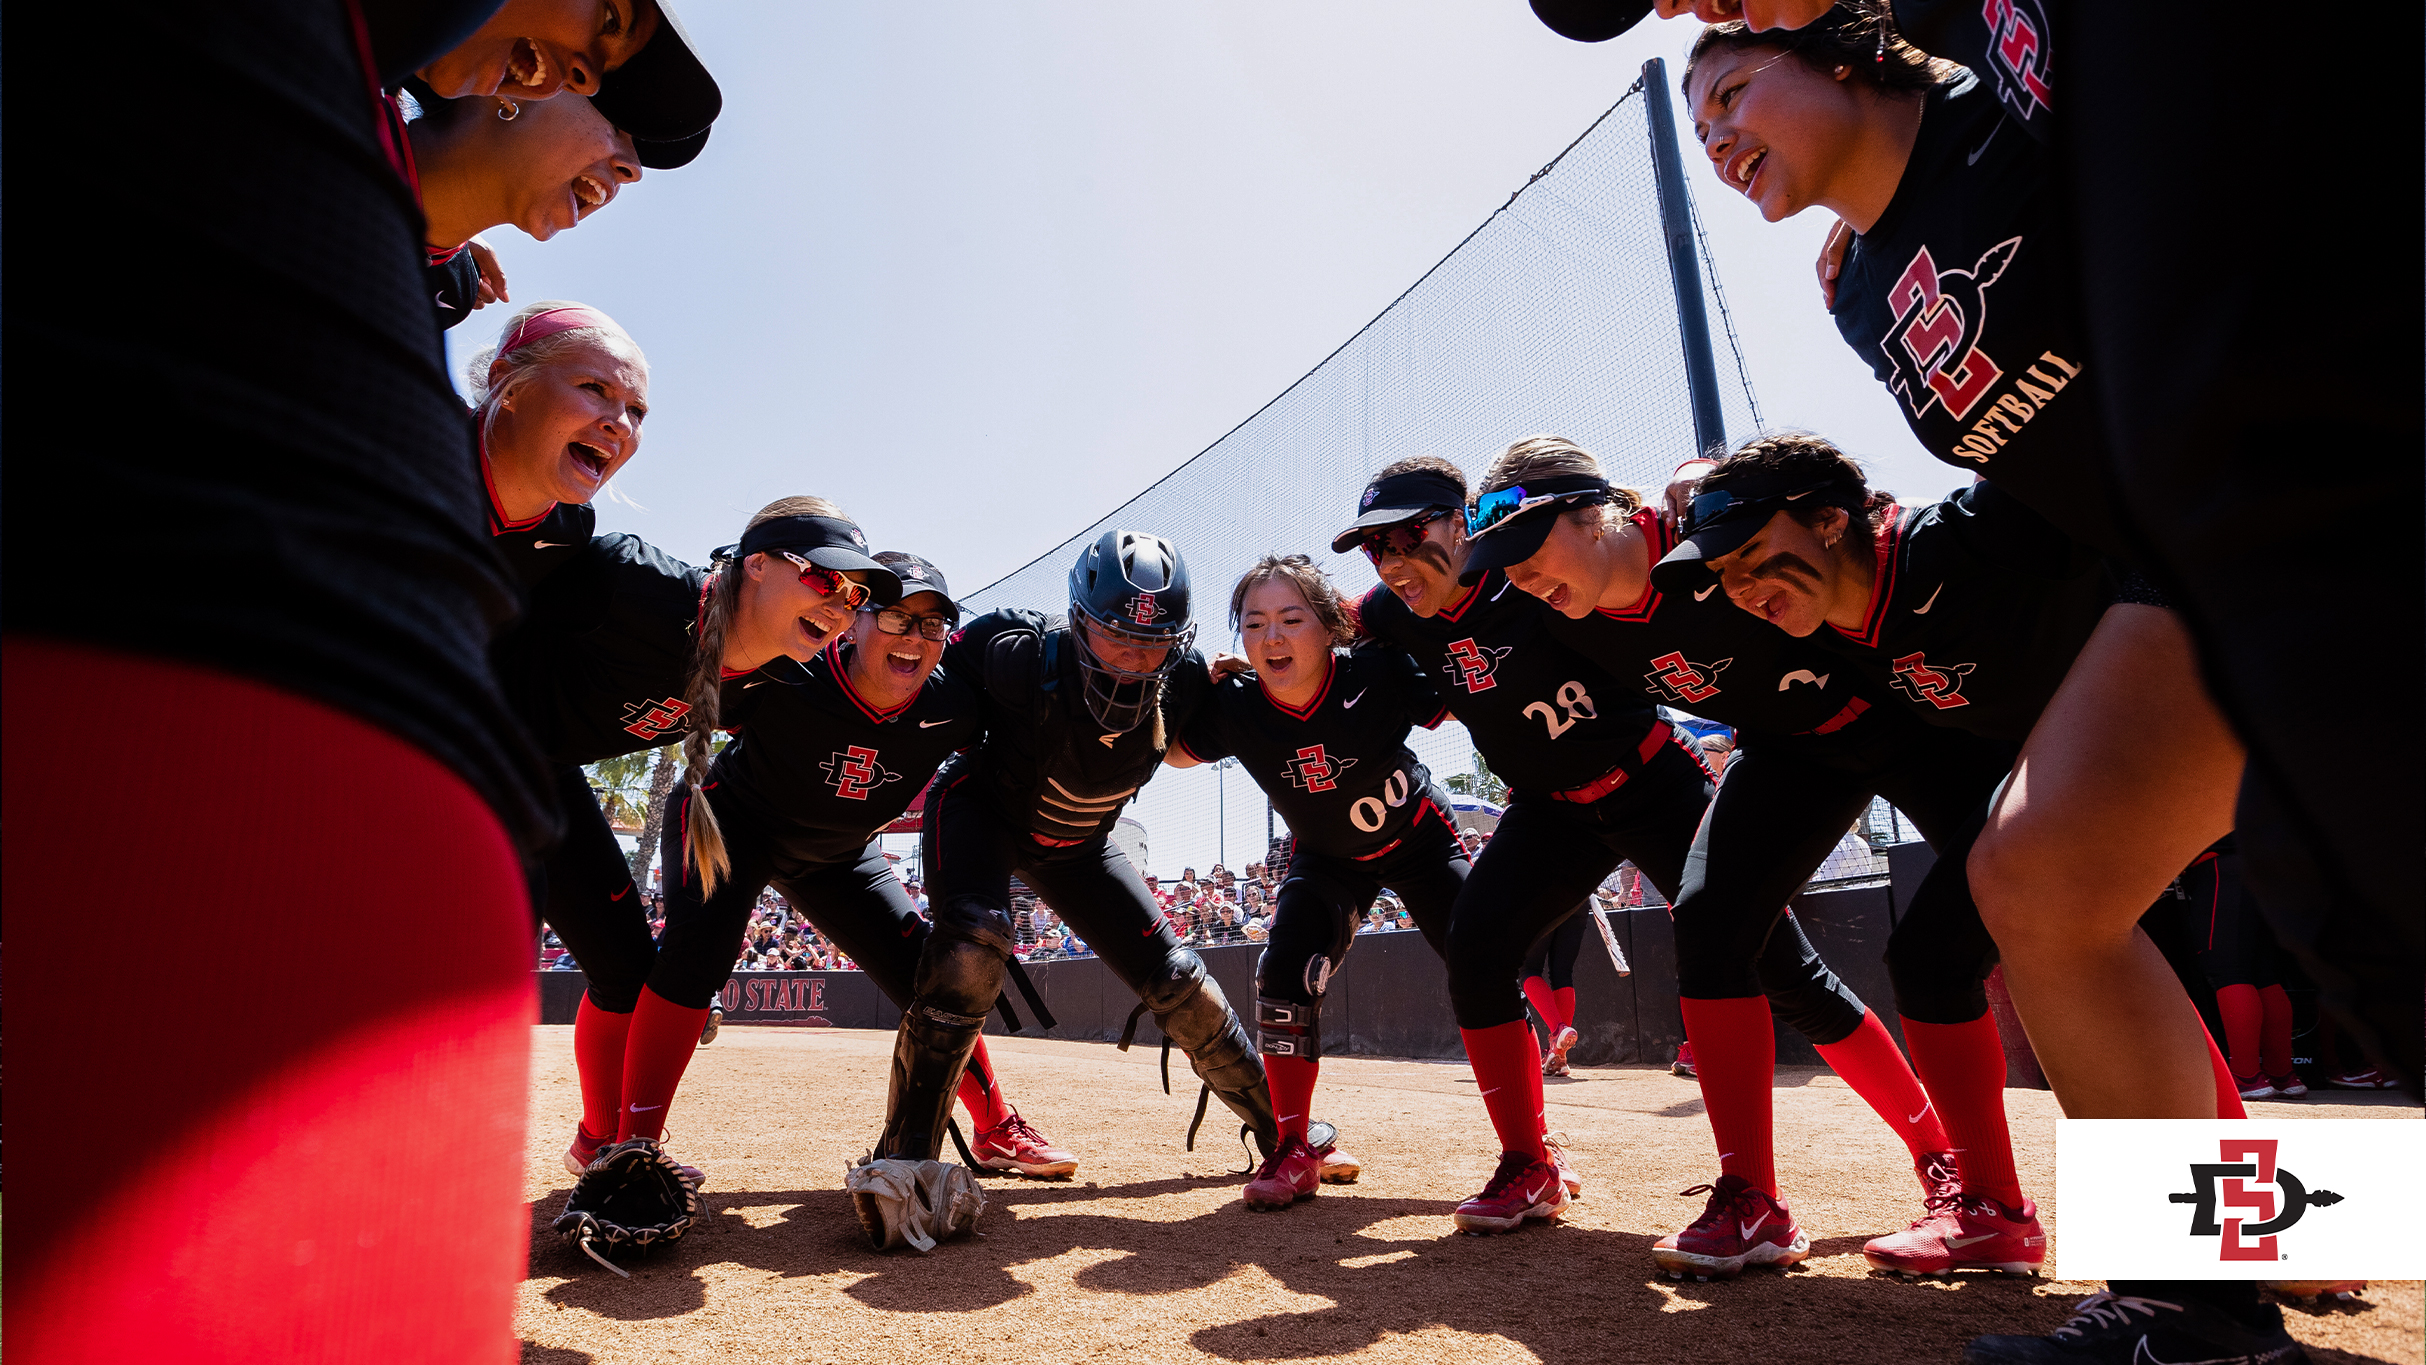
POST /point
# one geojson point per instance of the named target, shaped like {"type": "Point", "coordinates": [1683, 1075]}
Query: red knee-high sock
{"type": "Point", "coordinates": [663, 1037]}
{"type": "Point", "coordinates": [1735, 1058]}
{"type": "Point", "coordinates": [1964, 1067]}
{"type": "Point", "coordinates": [2274, 1036]}
{"type": "Point", "coordinates": [2227, 1091]}
{"type": "Point", "coordinates": [1292, 1091]}
{"type": "Point", "coordinates": [1509, 1073]}
{"type": "Point", "coordinates": [981, 1091]}
{"type": "Point", "coordinates": [1565, 996]}
{"type": "Point", "coordinates": [2244, 1019]}
{"type": "Point", "coordinates": [1538, 991]}
{"type": "Point", "coordinates": [1869, 1061]}
{"type": "Point", "coordinates": [598, 1037]}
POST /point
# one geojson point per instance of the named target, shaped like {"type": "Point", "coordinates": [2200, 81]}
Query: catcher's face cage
{"type": "Point", "coordinates": [1121, 698]}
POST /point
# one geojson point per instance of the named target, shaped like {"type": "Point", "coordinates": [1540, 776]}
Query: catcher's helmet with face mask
{"type": "Point", "coordinates": [1132, 589]}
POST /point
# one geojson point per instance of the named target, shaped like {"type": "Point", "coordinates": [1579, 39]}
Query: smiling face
{"type": "Point", "coordinates": [1425, 575]}
{"type": "Point", "coordinates": [1780, 132]}
{"type": "Point", "coordinates": [1569, 571]}
{"type": "Point", "coordinates": [531, 49]}
{"type": "Point", "coordinates": [780, 614]}
{"type": "Point", "coordinates": [565, 426]}
{"type": "Point", "coordinates": [1285, 641]}
{"type": "Point", "coordinates": [894, 666]}
{"type": "Point", "coordinates": [1788, 575]}
{"type": "Point", "coordinates": [556, 164]}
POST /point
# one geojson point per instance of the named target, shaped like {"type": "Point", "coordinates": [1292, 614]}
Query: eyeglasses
{"type": "Point", "coordinates": [1400, 537]}
{"type": "Point", "coordinates": [1491, 509]}
{"type": "Point", "coordinates": [827, 582]}
{"type": "Point", "coordinates": [895, 621]}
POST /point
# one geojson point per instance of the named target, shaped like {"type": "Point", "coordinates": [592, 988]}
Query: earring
{"type": "Point", "coordinates": [509, 112]}
{"type": "Point", "coordinates": [1882, 43]}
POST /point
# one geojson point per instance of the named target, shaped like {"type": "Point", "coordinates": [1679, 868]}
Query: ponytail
{"type": "Point", "coordinates": [702, 839]}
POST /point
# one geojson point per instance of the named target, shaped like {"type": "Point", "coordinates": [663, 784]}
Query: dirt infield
{"type": "Point", "coordinates": [1149, 1256]}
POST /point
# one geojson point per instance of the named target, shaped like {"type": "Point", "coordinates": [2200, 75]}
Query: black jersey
{"type": "Point", "coordinates": [823, 764]}
{"type": "Point", "coordinates": [540, 545]}
{"type": "Point", "coordinates": [453, 279]}
{"type": "Point", "coordinates": [1545, 717]}
{"type": "Point", "coordinates": [1338, 771]}
{"type": "Point", "coordinates": [1963, 300]}
{"type": "Point", "coordinates": [1047, 767]}
{"type": "Point", "coordinates": [599, 665]}
{"type": "Point", "coordinates": [1695, 650]}
{"type": "Point", "coordinates": [2008, 42]}
{"type": "Point", "coordinates": [1979, 608]}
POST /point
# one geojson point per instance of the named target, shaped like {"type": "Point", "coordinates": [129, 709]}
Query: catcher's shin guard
{"type": "Point", "coordinates": [1193, 1013]}
{"type": "Point", "coordinates": [1285, 1028]}
{"type": "Point", "coordinates": [930, 1051]}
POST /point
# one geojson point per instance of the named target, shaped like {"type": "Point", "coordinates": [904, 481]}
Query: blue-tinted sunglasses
{"type": "Point", "coordinates": [1495, 508]}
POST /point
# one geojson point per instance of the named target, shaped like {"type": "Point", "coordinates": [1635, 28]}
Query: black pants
{"type": "Point", "coordinates": [1545, 858]}
{"type": "Point", "coordinates": [1555, 963]}
{"type": "Point", "coordinates": [1784, 805]}
{"type": "Point", "coordinates": [2206, 404]}
{"type": "Point", "coordinates": [2234, 946]}
{"type": "Point", "coordinates": [854, 900]}
{"type": "Point", "coordinates": [1324, 897]}
{"type": "Point", "coordinates": [588, 898]}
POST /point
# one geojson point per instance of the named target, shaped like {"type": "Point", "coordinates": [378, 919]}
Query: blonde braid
{"type": "Point", "coordinates": [703, 839]}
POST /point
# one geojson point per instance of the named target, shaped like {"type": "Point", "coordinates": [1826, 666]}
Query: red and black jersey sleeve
{"type": "Point", "coordinates": [453, 279]}
{"type": "Point", "coordinates": [1545, 717]}
{"type": "Point", "coordinates": [1979, 608]}
{"type": "Point", "coordinates": [1962, 299]}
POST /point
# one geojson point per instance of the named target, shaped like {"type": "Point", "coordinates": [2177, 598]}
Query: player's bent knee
{"type": "Point", "coordinates": [959, 974]}
{"type": "Point", "coordinates": [976, 918]}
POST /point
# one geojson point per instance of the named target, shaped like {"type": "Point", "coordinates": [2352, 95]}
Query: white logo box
{"type": "Point", "coordinates": [2129, 1196]}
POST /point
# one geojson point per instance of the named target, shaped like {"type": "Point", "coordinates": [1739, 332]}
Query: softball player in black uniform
{"type": "Point", "coordinates": [1596, 777]}
{"type": "Point", "coordinates": [1323, 730]}
{"type": "Point", "coordinates": [1814, 746]}
{"type": "Point", "coordinates": [559, 404]}
{"type": "Point", "coordinates": [626, 649]}
{"type": "Point", "coordinates": [1077, 716]}
{"type": "Point", "coordinates": [802, 795]}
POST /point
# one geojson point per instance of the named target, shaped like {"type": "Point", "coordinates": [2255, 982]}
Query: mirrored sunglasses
{"type": "Point", "coordinates": [827, 582]}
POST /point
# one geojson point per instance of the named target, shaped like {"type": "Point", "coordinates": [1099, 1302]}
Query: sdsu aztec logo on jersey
{"type": "Point", "coordinates": [1470, 665]}
{"type": "Point", "coordinates": [854, 772]}
{"type": "Point", "coordinates": [1933, 349]}
{"type": "Point", "coordinates": [1941, 687]}
{"type": "Point", "coordinates": [2017, 49]}
{"type": "Point", "coordinates": [1315, 771]}
{"type": "Point", "coordinates": [1674, 677]}
{"type": "Point", "coordinates": [655, 719]}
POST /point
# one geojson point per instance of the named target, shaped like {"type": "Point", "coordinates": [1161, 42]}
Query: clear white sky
{"type": "Point", "coordinates": [980, 272]}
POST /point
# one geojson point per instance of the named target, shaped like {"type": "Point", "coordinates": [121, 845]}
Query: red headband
{"type": "Point", "coordinates": [539, 326]}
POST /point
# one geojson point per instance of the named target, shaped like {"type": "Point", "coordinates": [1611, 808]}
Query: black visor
{"type": "Point", "coordinates": [1397, 498]}
{"type": "Point", "coordinates": [828, 543]}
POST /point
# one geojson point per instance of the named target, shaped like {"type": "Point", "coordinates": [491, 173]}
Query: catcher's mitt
{"type": "Point", "coordinates": [632, 1195]}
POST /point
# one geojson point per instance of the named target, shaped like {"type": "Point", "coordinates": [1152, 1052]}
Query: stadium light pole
{"type": "Point", "coordinates": [1684, 264]}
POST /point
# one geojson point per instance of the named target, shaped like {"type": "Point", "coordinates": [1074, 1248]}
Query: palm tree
{"type": "Point", "coordinates": [1482, 783]}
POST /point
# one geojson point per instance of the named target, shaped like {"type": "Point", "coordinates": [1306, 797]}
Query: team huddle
{"type": "Point", "coordinates": [395, 637]}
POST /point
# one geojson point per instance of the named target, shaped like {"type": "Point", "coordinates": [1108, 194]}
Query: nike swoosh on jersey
{"type": "Point", "coordinates": [751, 683]}
{"type": "Point", "coordinates": [1982, 149]}
{"type": "Point", "coordinates": [551, 544]}
{"type": "Point", "coordinates": [1704, 594]}
{"type": "Point", "coordinates": [1503, 590]}
{"type": "Point", "coordinates": [931, 724]}
{"type": "Point", "coordinates": [1923, 608]}
{"type": "Point", "coordinates": [1360, 696]}
{"type": "Point", "coordinates": [627, 890]}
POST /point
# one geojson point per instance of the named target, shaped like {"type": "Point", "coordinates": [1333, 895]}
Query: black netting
{"type": "Point", "coordinates": [1556, 315]}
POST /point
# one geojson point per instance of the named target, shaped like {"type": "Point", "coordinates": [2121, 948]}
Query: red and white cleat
{"type": "Point", "coordinates": [1523, 1187]}
{"type": "Point", "coordinates": [1012, 1145]}
{"type": "Point", "coordinates": [2310, 1289]}
{"type": "Point", "coordinates": [1964, 1232]}
{"type": "Point", "coordinates": [1740, 1226]}
{"type": "Point", "coordinates": [1556, 1145]}
{"type": "Point", "coordinates": [1683, 1065]}
{"type": "Point", "coordinates": [2364, 1078]}
{"type": "Point", "coordinates": [1292, 1173]}
{"type": "Point", "coordinates": [585, 1149]}
{"type": "Point", "coordinates": [1338, 1168]}
{"type": "Point", "coordinates": [2289, 1086]}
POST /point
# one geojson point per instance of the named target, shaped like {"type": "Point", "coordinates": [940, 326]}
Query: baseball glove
{"type": "Point", "coordinates": [633, 1195]}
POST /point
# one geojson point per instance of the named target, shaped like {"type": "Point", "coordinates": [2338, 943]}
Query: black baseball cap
{"type": "Point", "coordinates": [664, 93]}
{"type": "Point", "coordinates": [827, 542]}
{"type": "Point", "coordinates": [1394, 498]}
{"type": "Point", "coordinates": [1590, 21]}
{"type": "Point", "coordinates": [1508, 525]}
{"type": "Point", "coordinates": [918, 575]}
{"type": "Point", "coordinates": [667, 156]}
{"type": "Point", "coordinates": [1721, 519]}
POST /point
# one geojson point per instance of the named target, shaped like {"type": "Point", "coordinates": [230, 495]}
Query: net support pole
{"type": "Point", "coordinates": [1684, 264]}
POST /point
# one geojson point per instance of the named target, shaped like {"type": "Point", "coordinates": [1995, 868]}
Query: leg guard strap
{"type": "Point", "coordinates": [1285, 1028]}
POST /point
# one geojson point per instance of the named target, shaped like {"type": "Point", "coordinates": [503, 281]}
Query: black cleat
{"type": "Point", "coordinates": [2110, 1330]}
